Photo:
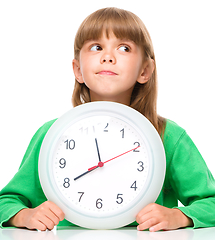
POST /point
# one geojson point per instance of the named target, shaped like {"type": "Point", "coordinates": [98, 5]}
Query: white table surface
{"type": "Point", "coordinates": [128, 233]}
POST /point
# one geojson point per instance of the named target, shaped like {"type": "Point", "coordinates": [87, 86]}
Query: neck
{"type": "Point", "coordinates": [119, 99]}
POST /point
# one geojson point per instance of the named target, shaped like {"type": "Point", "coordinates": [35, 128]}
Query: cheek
{"type": "Point", "coordinates": [87, 73]}
{"type": "Point", "coordinates": [133, 70]}
{"type": "Point", "coordinates": [137, 65]}
{"type": "Point", "coordinates": [87, 65]}
{"type": "Point", "coordinates": [84, 63]}
{"type": "Point", "coordinates": [84, 68]}
{"type": "Point", "coordinates": [133, 65]}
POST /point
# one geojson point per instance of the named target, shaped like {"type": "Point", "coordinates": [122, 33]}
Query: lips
{"type": "Point", "coordinates": [107, 72]}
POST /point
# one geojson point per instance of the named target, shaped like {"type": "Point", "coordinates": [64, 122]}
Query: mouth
{"type": "Point", "coordinates": [107, 73]}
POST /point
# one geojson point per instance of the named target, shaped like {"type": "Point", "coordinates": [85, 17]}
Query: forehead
{"type": "Point", "coordinates": [110, 32]}
{"type": "Point", "coordinates": [111, 37]}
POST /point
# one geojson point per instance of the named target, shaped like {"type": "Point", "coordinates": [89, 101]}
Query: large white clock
{"type": "Point", "coordinates": [101, 163]}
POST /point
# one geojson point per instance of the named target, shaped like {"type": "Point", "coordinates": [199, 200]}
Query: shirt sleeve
{"type": "Point", "coordinates": [193, 183]}
{"type": "Point", "coordinates": [24, 190]}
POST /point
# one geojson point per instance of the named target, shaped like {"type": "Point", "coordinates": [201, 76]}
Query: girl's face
{"type": "Point", "coordinates": [110, 67]}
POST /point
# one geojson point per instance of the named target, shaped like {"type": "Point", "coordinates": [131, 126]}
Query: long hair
{"type": "Point", "coordinates": [124, 25]}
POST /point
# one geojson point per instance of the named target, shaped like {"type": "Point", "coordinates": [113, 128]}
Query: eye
{"type": "Point", "coordinates": [124, 48]}
{"type": "Point", "coordinates": [96, 48]}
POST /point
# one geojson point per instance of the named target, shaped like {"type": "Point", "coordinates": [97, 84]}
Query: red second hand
{"type": "Point", "coordinates": [101, 164]}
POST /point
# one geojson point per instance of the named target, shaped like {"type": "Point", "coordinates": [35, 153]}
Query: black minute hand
{"type": "Point", "coordinates": [98, 149]}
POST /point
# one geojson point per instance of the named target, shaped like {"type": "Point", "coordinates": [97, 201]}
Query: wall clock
{"type": "Point", "coordinates": [101, 163]}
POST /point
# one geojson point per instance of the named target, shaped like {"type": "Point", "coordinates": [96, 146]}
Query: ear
{"type": "Point", "coordinates": [77, 71]}
{"type": "Point", "coordinates": [148, 69]}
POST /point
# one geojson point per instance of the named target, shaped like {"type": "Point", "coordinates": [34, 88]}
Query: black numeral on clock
{"type": "Point", "coordinates": [62, 162]}
{"type": "Point", "coordinates": [134, 186]}
{"type": "Point", "coordinates": [123, 132]}
{"type": "Point", "coordinates": [141, 167]}
{"type": "Point", "coordinates": [82, 193]}
{"type": "Point", "coordinates": [66, 183]}
{"type": "Point", "coordinates": [70, 144]}
{"type": "Point", "coordinates": [99, 204]}
{"type": "Point", "coordinates": [137, 144]}
{"type": "Point", "coordinates": [119, 198]}
{"type": "Point", "coordinates": [106, 128]}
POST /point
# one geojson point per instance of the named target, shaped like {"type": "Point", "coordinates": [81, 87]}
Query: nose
{"type": "Point", "coordinates": [108, 58]}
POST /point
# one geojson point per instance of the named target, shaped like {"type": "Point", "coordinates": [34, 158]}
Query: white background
{"type": "Point", "coordinates": [36, 78]}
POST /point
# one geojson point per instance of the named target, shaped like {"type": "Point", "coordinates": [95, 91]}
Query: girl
{"type": "Point", "coordinates": [114, 61]}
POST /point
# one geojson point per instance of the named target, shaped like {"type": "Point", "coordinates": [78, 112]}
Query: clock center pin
{"type": "Point", "coordinates": [100, 164]}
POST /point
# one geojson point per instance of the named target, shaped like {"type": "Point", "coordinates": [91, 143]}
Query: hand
{"type": "Point", "coordinates": [101, 164]}
{"type": "Point", "coordinates": [45, 216]}
{"type": "Point", "coordinates": [155, 217]}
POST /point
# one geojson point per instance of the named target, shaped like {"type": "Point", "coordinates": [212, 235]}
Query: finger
{"type": "Point", "coordinates": [157, 227]}
{"type": "Point", "coordinates": [147, 224]}
{"type": "Point", "coordinates": [145, 215]}
{"type": "Point", "coordinates": [144, 218]}
{"type": "Point", "coordinates": [45, 216]}
{"type": "Point", "coordinates": [40, 226]}
{"type": "Point", "coordinates": [52, 216]}
{"type": "Point", "coordinates": [56, 211]}
{"type": "Point", "coordinates": [48, 223]}
{"type": "Point", "coordinates": [36, 224]}
{"type": "Point", "coordinates": [144, 211]}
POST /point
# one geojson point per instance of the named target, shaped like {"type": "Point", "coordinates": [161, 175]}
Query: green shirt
{"type": "Point", "coordinates": [187, 179]}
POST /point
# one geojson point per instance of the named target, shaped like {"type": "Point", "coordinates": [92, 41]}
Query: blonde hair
{"type": "Point", "coordinates": [124, 25]}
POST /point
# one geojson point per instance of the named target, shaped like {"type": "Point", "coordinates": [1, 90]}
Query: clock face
{"type": "Point", "coordinates": [121, 159]}
{"type": "Point", "coordinates": [101, 163]}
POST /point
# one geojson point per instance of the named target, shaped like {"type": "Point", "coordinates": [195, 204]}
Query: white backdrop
{"type": "Point", "coordinates": [36, 78]}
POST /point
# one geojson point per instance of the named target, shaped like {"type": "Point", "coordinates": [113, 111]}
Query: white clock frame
{"type": "Point", "coordinates": [156, 174]}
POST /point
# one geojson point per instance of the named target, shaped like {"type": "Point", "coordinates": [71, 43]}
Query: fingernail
{"type": "Point", "coordinates": [151, 229]}
{"type": "Point", "coordinates": [138, 228]}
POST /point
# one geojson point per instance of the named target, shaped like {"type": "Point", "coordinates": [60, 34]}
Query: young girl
{"type": "Point", "coordinates": [114, 61]}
